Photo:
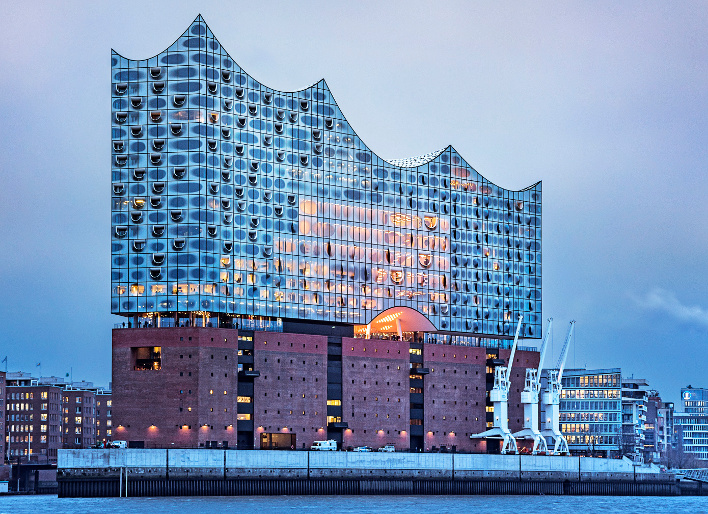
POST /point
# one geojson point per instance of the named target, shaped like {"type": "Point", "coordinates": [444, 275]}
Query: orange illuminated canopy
{"type": "Point", "coordinates": [387, 322]}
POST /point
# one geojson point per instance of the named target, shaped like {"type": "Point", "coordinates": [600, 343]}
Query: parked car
{"type": "Point", "coordinates": [330, 445]}
{"type": "Point", "coordinates": [117, 444]}
{"type": "Point", "coordinates": [362, 449]}
{"type": "Point", "coordinates": [389, 448]}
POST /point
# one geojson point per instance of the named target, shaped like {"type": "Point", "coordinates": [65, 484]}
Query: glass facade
{"type": "Point", "coordinates": [232, 199]}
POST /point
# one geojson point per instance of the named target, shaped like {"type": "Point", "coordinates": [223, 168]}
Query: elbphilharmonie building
{"type": "Point", "coordinates": [283, 284]}
{"type": "Point", "coordinates": [236, 201]}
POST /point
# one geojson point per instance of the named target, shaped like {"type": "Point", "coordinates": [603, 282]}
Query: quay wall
{"type": "Point", "coordinates": [105, 472]}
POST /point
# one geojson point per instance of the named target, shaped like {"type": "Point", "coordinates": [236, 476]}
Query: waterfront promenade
{"type": "Point", "coordinates": [153, 472]}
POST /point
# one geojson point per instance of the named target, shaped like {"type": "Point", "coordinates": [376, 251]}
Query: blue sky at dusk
{"type": "Point", "coordinates": [605, 102]}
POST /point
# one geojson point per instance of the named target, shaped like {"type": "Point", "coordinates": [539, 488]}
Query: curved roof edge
{"type": "Point", "coordinates": [409, 162]}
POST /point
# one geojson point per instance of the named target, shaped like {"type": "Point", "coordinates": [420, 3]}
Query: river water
{"type": "Point", "coordinates": [356, 504]}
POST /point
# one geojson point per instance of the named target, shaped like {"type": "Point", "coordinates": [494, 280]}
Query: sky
{"type": "Point", "coordinates": [605, 102]}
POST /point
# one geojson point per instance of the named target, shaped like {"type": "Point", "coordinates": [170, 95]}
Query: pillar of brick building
{"type": "Point", "coordinates": [290, 396]}
{"type": "Point", "coordinates": [186, 398]}
{"type": "Point", "coordinates": [376, 392]}
{"type": "Point", "coordinates": [454, 396]}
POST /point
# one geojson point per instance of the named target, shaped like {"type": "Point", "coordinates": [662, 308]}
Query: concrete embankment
{"type": "Point", "coordinates": [178, 472]}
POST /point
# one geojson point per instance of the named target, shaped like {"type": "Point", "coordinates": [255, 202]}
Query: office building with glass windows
{"type": "Point", "coordinates": [591, 411]}
{"type": "Point", "coordinates": [236, 206]}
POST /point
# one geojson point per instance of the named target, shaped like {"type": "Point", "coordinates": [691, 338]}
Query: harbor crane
{"type": "Point", "coordinates": [499, 396]}
{"type": "Point", "coordinates": [551, 399]}
{"type": "Point", "coordinates": [529, 398]}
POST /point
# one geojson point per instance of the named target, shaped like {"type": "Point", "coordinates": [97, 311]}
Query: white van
{"type": "Point", "coordinates": [117, 444]}
{"type": "Point", "coordinates": [330, 445]}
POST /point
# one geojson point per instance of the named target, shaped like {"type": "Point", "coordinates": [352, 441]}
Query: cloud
{"type": "Point", "coordinates": [665, 301]}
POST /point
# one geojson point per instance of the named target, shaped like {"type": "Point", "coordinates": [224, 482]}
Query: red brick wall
{"type": "Point", "coordinates": [291, 393]}
{"type": "Point", "coordinates": [376, 392]}
{"type": "Point", "coordinates": [454, 395]}
{"type": "Point", "coordinates": [146, 404]}
{"type": "Point", "coordinates": [104, 417]}
{"type": "Point", "coordinates": [79, 404]}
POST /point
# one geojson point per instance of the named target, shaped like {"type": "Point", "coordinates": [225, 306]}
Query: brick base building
{"type": "Point", "coordinates": [209, 387]}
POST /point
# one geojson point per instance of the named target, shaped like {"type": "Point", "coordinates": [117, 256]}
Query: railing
{"type": "Point", "coordinates": [699, 475]}
{"type": "Point", "coordinates": [238, 323]}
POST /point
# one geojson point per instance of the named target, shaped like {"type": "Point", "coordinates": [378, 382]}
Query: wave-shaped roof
{"type": "Point", "coordinates": [199, 29]}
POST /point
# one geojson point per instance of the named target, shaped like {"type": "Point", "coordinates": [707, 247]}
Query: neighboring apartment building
{"type": "Point", "coordinates": [590, 411]}
{"type": "Point", "coordinates": [278, 277]}
{"type": "Point", "coordinates": [43, 415]}
{"type": "Point", "coordinates": [635, 398]}
{"type": "Point", "coordinates": [691, 424]}
{"type": "Point", "coordinates": [33, 421]}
